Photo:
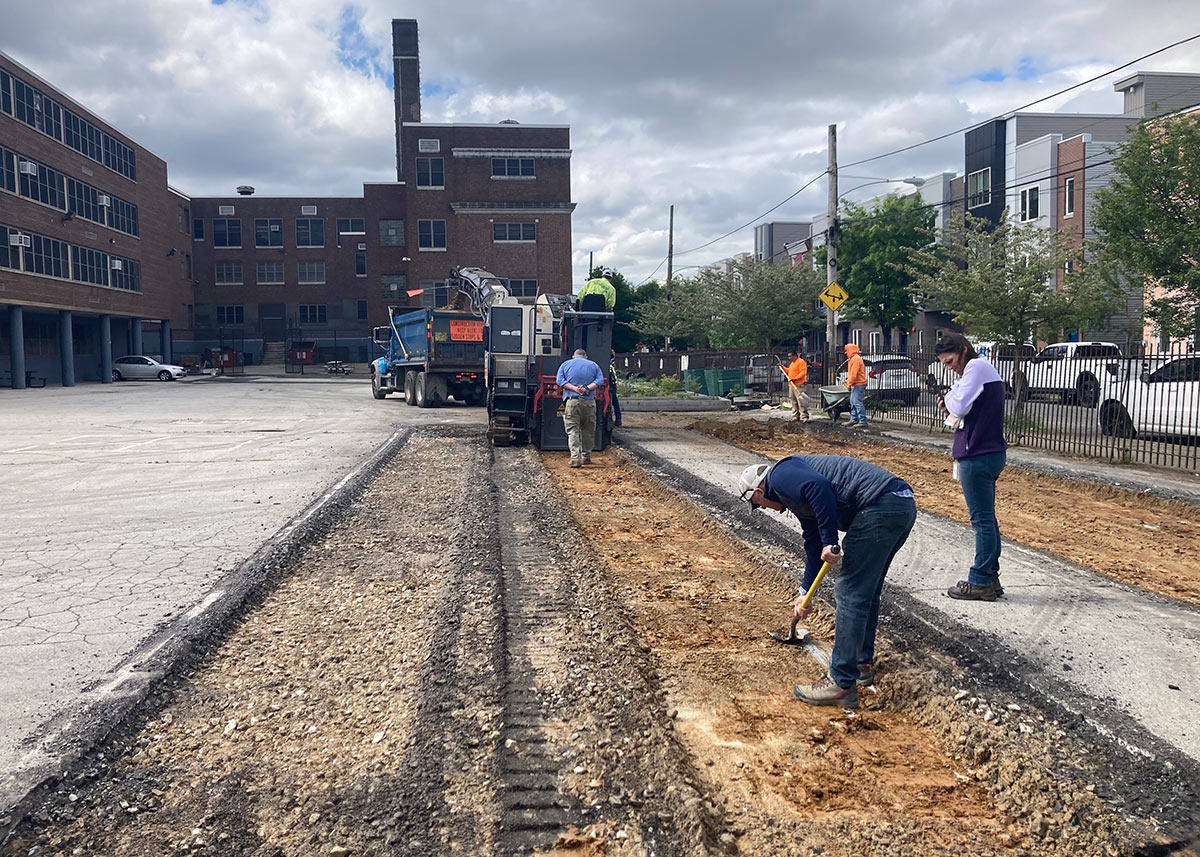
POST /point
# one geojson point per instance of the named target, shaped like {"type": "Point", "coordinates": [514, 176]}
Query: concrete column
{"type": "Point", "coordinates": [16, 322]}
{"type": "Point", "coordinates": [135, 336]}
{"type": "Point", "coordinates": [165, 336]}
{"type": "Point", "coordinates": [66, 347]}
{"type": "Point", "coordinates": [106, 356]}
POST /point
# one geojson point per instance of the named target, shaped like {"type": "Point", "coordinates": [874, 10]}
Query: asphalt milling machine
{"type": "Point", "coordinates": [524, 345]}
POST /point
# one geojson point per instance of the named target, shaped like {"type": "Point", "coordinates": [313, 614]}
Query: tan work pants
{"type": "Point", "coordinates": [580, 421]}
{"type": "Point", "coordinates": [800, 401]}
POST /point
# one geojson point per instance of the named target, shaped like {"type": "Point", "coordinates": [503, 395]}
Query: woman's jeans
{"type": "Point", "coordinates": [978, 475]}
{"type": "Point", "coordinates": [875, 535]}
{"type": "Point", "coordinates": [858, 410]}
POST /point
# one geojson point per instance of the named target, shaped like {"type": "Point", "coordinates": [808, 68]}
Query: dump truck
{"type": "Point", "coordinates": [430, 355]}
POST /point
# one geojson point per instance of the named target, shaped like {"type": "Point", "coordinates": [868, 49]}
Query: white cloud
{"type": "Point", "coordinates": [718, 108]}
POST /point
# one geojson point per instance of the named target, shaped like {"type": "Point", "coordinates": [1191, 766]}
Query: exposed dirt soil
{"type": "Point", "coordinates": [1135, 538]}
{"type": "Point", "coordinates": [912, 772]}
{"type": "Point", "coordinates": [534, 659]}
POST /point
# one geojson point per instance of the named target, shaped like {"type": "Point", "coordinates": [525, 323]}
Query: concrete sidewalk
{"type": "Point", "coordinates": [1113, 648]}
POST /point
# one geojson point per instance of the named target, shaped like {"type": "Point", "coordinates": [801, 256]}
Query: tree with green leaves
{"type": "Point", "coordinates": [685, 318]}
{"type": "Point", "coordinates": [998, 280]}
{"type": "Point", "coordinates": [875, 260]}
{"type": "Point", "coordinates": [1147, 220]}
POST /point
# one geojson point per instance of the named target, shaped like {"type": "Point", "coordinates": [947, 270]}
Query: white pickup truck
{"type": "Point", "coordinates": [1070, 370]}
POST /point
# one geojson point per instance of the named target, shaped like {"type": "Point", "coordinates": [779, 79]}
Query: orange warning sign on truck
{"type": "Point", "coordinates": [466, 331]}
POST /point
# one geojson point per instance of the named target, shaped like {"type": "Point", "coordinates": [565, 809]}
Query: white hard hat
{"type": "Point", "coordinates": [606, 272]}
{"type": "Point", "coordinates": [750, 479]}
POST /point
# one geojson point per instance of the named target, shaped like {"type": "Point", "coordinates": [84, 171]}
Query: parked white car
{"type": "Point", "coordinates": [939, 379]}
{"type": "Point", "coordinates": [1163, 401]}
{"type": "Point", "coordinates": [1070, 370]}
{"type": "Point", "coordinates": [889, 376]}
{"type": "Point", "coordinates": [136, 367]}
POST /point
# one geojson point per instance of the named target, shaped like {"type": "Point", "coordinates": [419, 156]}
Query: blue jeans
{"type": "Point", "coordinates": [877, 532]}
{"type": "Point", "coordinates": [978, 475]}
{"type": "Point", "coordinates": [612, 389]}
{"type": "Point", "coordinates": [858, 410]}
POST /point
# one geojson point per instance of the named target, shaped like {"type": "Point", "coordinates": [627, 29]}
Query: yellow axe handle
{"type": "Point", "coordinates": [812, 590]}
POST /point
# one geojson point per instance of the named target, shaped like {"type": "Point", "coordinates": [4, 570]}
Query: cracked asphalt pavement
{"type": "Point", "coordinates": [125, 504]}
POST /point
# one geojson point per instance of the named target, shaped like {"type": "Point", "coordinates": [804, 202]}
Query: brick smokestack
{"type": "Point", "coordinates": [406, 60]}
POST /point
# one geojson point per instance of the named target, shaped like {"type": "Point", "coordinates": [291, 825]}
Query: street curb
{"type": "Point", "coordinates": [68, 737]}
{"type": "Point", "coordinates": [669, 403]}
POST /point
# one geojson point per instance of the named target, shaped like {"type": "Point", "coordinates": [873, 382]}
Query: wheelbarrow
{"type": "Point", "coordinates": [835, 400]}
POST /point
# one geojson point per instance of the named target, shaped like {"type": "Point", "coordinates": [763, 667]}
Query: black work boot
{"type": "Point", "coordinates": [965, 591]}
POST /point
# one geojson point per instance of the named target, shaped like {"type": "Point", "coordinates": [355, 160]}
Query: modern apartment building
{"type": "Point", "coordinates": [94, 246]}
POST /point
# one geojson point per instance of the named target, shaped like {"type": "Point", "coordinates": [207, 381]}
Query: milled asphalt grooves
{"type": "Point", "coordinates": [178, 643]}
{"type": "Point", "coordinates": [1160, 784]}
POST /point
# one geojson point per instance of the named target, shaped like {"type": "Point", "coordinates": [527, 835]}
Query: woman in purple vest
{"type": "Point", "coordinates": [975, 405]}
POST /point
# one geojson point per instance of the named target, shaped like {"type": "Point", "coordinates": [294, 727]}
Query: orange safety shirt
{"type": "Point", "coordinates": [797, 372]}
{"type": "Point", "coordinates": [856, 372]}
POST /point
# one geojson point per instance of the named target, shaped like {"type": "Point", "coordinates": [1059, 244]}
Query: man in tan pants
{"type": "Point", "coordinates": [797, 376]}
{"type": "Point", "coordinates": [579, 379]}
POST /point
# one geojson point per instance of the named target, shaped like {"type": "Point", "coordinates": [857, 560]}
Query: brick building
{"type": "Point", "coordinates": [99, 253]}
{"type": "Point", "coordinates": [94, 246]}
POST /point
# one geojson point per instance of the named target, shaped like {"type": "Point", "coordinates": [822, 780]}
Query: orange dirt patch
{"type": "Point", "coordinates": [1137, 539]}
{"type": "Point", "coordinates": [797, 775]}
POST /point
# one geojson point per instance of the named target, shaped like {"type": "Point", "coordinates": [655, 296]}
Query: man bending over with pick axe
{"type": "Point", "coordinates": [876, 510]}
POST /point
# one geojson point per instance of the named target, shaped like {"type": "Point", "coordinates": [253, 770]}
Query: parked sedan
{"type": "Point", "coordinates": [889, 376]}
{"type": "Point", "coordinates": [1165, 401]}
{"type": "Point", "coordinates": [136, 367]}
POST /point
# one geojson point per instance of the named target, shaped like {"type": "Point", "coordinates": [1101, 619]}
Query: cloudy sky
{"type": "Point", "coordinates": [719, 108]}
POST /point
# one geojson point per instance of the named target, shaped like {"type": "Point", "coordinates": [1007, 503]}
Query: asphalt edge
{"type": "Point", "coordinates": [67, 738]}
{"type": "Point", "coordinates": [1134, 760]}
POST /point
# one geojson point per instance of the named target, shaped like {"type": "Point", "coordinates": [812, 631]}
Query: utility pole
{"type": "Point", "coordinates": [670, 263]}
{"type": "Point", "coordinates": [590, 268]}
{"type": "Point", "coordinates": [831, 258]}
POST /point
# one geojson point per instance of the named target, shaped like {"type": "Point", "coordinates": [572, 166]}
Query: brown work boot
{"type": "Point", "coordinates": [827, 692]}
{"type": "Point", "coordinates": [964, 591]}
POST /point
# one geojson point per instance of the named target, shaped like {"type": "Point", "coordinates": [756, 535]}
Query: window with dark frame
{"type": "Point", "coordinates": [979, 188]}
{"type": "Point", "coordinates": [1069, 197]}
{"type": "Point", "coordinates": [231, 315]}
{"type": "Point", "coordinates": [269, 273]}
{"type": "Point", "coordinates": [8, 170]}
{"type": "Point", "coordinates": [268, 232]}
{"type": "Point", "coordinates": [351, 225]}
{"type": "Point", "coordinates": [431, 172]}
{"type": "Point", "coordinates": [310, 232]}
{"type": "Point", "coordinates": [509, 168]}
{"type": "Point", "coordinates": [313, 313]}
{"type": "Point", "coordinates": [227, 232]}
{"type": "Point", "coordinates": [47, 185]}
{"type": "Point", "coordinates": [1029, 203]}
{"type": "Point", "coordinates": [511, 232]}
{"type": "Point", "coordinates": [310, 273]}
{"type": "Point", "coordinates": [6, 92]}
{"type": "Point", "coordinates": [434, 293]}
{"type": "Point", "coordinates": [523, 288]}
{"type": "Point", "coordinates": [362, 310]}
{"type": "Point", "coordinates": [229, 273]}
{"type": "Point", "coordinates": [431, 234]}
{"type": "Point", "coordinates": [198, 229]}
{"type": "Point", "coordinates": [360, 264]}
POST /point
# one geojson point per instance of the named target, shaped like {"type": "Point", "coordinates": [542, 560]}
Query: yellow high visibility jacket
{"type": "Point", "coordinates": [600, 286]}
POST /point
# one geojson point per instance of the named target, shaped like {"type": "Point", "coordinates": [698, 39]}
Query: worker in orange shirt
{"type": "Point", "coordinates": [856, 383]}
{"type": "Point", "coordinates": [796, 373]}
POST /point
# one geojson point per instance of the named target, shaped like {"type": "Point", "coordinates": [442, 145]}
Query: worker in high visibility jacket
{"type": "Point", "coordinates": [796, 373]}
{"type": "Point", "coordinates": [856, 383]}
{"type": "Point", "coordinates": [601, 286]}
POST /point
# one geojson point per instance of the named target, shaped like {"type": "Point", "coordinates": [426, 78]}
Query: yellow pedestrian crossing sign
{"type": "Point", "coordinates": [833, 296]}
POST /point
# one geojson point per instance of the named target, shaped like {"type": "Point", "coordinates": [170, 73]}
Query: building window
{"type": "Point", "coordinates": [270, 273]}
{"type": "Point", "coordinates": [1069, 197]}
{"type": "Point", "coordinates": [127, 276]}
{"type": "Point", "coordinates": [311, 272]}
{"type": "Point", "coordinates": [512, 168]}
{"type": "Point", "coordinates": [979, 188]}
{"type": "Point", "coordinates": [391, 233]}
{"type": "Point", "coordinates": [118, 157]}
{"type": "Point", "coordinates": [231, 315]}
{"type": "Point", "coordinates": [1069, 267]}
{"type": "Point", "coordinates": [310, 232]}
{"type": "Point", "coordinates": [431, 173]}
{"type": "Point", "coordinates": [123, 216]}
{"type": "Point", "coordinates": [514, 232]}
{"type": "Point", "coordinates": [229, 273]}
{"type": "Point", "coordinates": [82, 136]}
{"type": "Point", "coordinates": [198, 229]}
{"type": "Point", "coordinates": [8, 169]}
{"type": "Point", "coordinates": [431, 234]}
{"type": "Point", "coordinates": [227, 232]}
{"type": "Point", "coordinates": [312, 314]}
{"type": "Point", "coordinates": [44, 185]}
{"type": "Point", "coordinates": [360, 264]}
{"type": "Point", "coordinates": [353, 225]}
{"type": "Point", "coordinates": [1029, 204]}
{"type": "Point", "coordinates": [46, 256]}
{"type": "Point", "coordinates": [394, 287]}
{"type": "Point", "coordinates": [268, 232]}
{"type": "Point", "coordinates": [83, 200]}
{"type": "Point", "coordinates": [362, 310]}
{"type": "Point", "coordinates": [10, 254]}
{"type": "Point", "coordinates": [89, 266]}
{"type": "Point", "coordinates": [523, 288]}
{"type": "Point", "coordinates": [434, 293]}
{"type": "Point", "coordinates": [6, 92]}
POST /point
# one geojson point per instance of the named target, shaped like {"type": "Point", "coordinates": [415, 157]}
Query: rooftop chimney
{"type": "Point", "coordinates": [406, 59]}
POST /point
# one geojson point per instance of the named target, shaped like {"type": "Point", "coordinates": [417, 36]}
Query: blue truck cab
{"type": "Point", "coordinates": [430, 355]}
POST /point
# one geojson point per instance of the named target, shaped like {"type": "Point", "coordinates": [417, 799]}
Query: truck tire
{"type": "Point", "coordinates": [1087, 390]}
{"type": "Point", "coordinates": [410, 387]}
{"type": "Point", "coordinates": [1115, 421]}
{"type": "Point", "coordinates": [376, 388]}
{"type": "Point", "coordinates": [422, 395]}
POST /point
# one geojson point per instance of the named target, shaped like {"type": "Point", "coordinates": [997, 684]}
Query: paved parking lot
{"type": "Point", "coordinates": [125, 503]}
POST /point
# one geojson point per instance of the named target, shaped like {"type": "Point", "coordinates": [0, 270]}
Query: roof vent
{"type": "Point", "coordinates": [245, 190]}
{"type": "Point", "coordinates": [509, 122]}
